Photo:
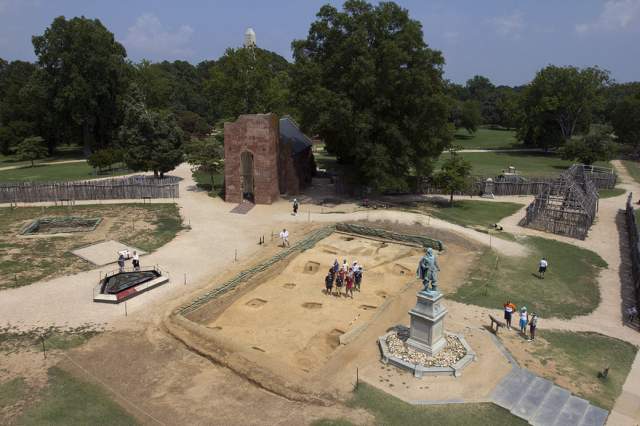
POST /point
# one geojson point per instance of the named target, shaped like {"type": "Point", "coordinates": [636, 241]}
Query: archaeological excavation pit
{"type": "Point", "coordinates": [284, 320]}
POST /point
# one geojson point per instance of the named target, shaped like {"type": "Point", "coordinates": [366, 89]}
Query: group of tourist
{"type": "Point", "coordinates": [346, 276]}
{"type": "Point", "coordinates": [122, 259]}
{"type": "Point", "coordinates": [524, 319]}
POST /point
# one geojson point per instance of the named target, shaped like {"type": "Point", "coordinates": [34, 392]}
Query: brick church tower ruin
{"type": "Point", "coordinates": [265, 157]}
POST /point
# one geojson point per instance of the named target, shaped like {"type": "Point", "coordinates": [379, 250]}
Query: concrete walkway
{"type": "Point", "coordinates": [542, 403]}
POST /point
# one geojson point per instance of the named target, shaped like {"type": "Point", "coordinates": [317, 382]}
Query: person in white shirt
{"type": "Point", "coordinates": [136, 261]}
{"type": "Point", "coordinates": [284, 236]}
{"type": "Point", "coordinates": [542, 267]}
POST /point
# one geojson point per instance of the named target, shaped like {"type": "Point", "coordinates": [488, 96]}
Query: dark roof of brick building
{"type": "Point", "coordinates": [291, 134]}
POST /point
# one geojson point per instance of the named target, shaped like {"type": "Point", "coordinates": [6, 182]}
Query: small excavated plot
{"type": "Point", "coordinates": [293, 322]}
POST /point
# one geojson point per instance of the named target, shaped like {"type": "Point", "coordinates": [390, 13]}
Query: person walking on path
{"type": "Point", "coordinates": [328, 282]}
{"type": "Point", "coordinates": [524, 320]}
{"type": "Point", "coordinates": [533, 324]}
{"type": "Point", "coordinates": [284, 236]}
{"type": "Point", "coordinates": [345, 266]}
{"type": "Point", "coordinates": [295, 206]}
{"type": "Point", "coordinates": [121, 262]}
{"type": "Point", "coordinates": [542, 268]}
{"type": "Point", "coordinates": [136, 261]}
{"type": "Point", "coordinates": [509, 309]}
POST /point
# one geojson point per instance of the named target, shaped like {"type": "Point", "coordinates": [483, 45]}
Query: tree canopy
{"type": "Point", "coordinates": [151, 140]}
{"type": "Point", "coordinates": [560, 102]}
{"type": "Point", "coordinates": [368, 84]}
{"type": "Point", "coordinates": [454, 175]}
{"type": "Point", "coordinates": [31, 149]}
{"type": "Point", "coordinates": [84, 73]}
{"type": "Point", "coordinates": [248, 81]}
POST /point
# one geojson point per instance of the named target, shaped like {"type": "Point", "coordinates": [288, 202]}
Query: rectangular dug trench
{"type": "Point", "coordinates": [284, 319]}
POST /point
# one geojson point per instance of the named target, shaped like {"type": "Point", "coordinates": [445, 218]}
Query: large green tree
{"type": "Point", "coordinates": [247, 81]}
{"type": "Point", "coordinates": [560, 102]}
{"type": "Point", "coordinates": [20, 110]}
{"type": "Point", "coordinates": [454, 175]}
{"type": "Point", "coordinates": [597, 145]}
{"type": "Point", "coordinates": [151, 140]}
{"type": "Point", "coordinates": [467, 115]}
{"type": "Point", "coordinates": [207, 156]}
{"type": "Point", "coordinates": [85, 73]}
{"type": "Point", "coordinates": [625, 118]}
{"type": "Point", "coordinates": [368, 84]}
{"type": "Point", "coordinates": [31, 149]}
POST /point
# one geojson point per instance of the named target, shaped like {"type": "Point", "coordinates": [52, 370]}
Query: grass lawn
{"type": "Point", "coordinates": [526, 163]}
{"type": "Point", "coordinates": [66, 152]}
{"type": "Point", "coordinates": [55, 172]}
{"type": "Point", "coordinates": [575, 359]}
{"type": "Point", "coordinates": [485, 138]}
{"type": "Point", "coordinates": [69, 401]}
{"type": "Point", "coordinates": [470, 213]}
{"type": "Point", "coordinates": [569, 289]}
{"type": "Point", "coordinates": [24, 260]}
{"type": "Point", "coordinates": [203, 181]}
{"type": "Point", "coordinates": [14, 340]}
{"type": "Point", "coordinates": [610, 193]}
{"type": "Point", "coordinates": [391, 411]}
{"type": "Point", "coordinates": [636, 213]}
{"type": "Point", "coordinates": [12, 391]}
{"type": "Point", "coordinates": [633, 167]}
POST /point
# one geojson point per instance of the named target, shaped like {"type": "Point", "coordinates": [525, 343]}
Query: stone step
{"type": "Point", "coordinates": [536, 392]}
{"type": "Point", "coordinates": [509, 391]}
{"type": "Point", "coordinates": [550, 407]}
{"type": "Point", "coordinates": [595, 416]}
{"type": "Point", "coordinates": [572, 412]}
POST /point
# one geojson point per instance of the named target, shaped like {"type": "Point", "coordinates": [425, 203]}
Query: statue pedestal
{"type": "Point", "coordinates": [427, 323]}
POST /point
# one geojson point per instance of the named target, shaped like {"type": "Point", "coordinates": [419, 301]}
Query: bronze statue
{"type": "Point", "coordinates": [428, 271]}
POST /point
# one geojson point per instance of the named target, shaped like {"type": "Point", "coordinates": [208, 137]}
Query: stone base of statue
{"type": "Point", "coordinates": [427, 323]}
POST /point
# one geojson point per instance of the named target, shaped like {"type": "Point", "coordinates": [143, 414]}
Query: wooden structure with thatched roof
{"type": "Point", "coordinates": [569, 205]}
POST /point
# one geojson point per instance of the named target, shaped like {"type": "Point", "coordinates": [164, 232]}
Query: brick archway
{"type": "Point", "coordinates": [247, 175]}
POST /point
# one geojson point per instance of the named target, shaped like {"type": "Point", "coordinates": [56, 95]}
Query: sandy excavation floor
{"type": "Point", "coordinates": [291, 319]}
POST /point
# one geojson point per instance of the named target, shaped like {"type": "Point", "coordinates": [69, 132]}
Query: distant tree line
{"type": "Point", "coordinates": [364, 80]}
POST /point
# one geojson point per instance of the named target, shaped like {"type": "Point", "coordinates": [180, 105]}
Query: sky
{"type": "Point", "coordinates": [505, 40]}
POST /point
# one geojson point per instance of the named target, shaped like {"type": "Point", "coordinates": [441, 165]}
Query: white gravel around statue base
{"type": "Point", "coordinates": [447, 357]}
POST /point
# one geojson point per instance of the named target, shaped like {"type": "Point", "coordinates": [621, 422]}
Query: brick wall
{"type": "Point", "coordinates": [258, 134]}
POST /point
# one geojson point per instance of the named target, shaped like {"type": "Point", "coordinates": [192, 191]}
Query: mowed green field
{"type": "Point", "coordinates": [569, 288]}
{"type": "Point", "coordinates": [486, 139]}
{"type": "Point", "coordinates": [526, 163]}
{"type": "Point", "coordinates": [54, 173]}
{"type": "Point", "coordinates": [470, 213]}
{"type": "Point", "coordinates": [633, 167]}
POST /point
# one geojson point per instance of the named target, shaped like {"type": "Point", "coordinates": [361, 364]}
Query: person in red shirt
{"type": "Point", "coordinates": [349, 284]}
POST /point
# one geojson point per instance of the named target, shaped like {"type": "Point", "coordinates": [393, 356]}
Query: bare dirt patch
{"type": "Point", "coordinates": [299, 332]}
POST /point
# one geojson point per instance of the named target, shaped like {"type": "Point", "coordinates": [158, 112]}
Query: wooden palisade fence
{"type": "Point", "coordinates": [568, 206]}
{"type": "Point", "coordinates": [133, 187]}
{"type": "Point", "coordinates": [634, 246]}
